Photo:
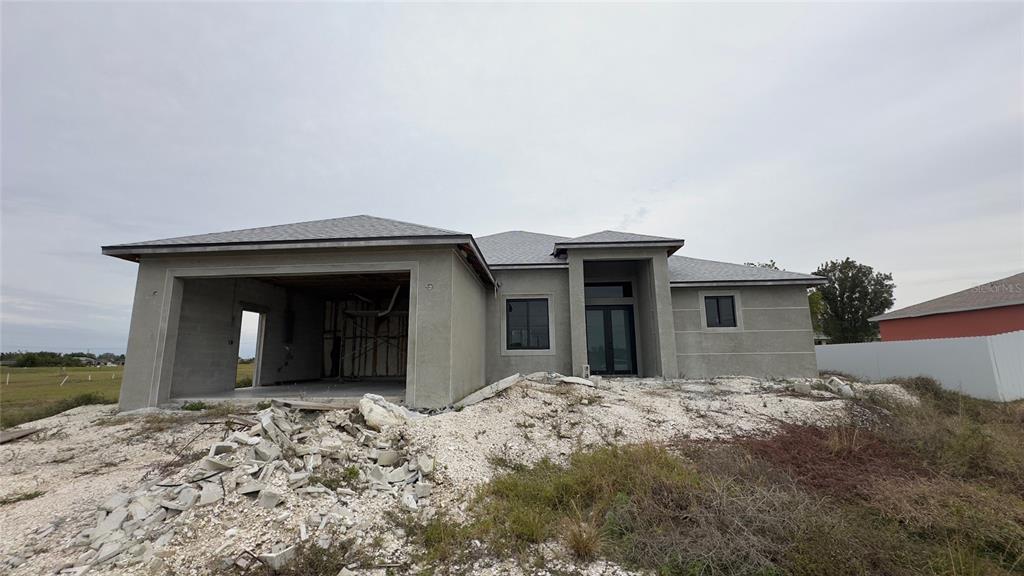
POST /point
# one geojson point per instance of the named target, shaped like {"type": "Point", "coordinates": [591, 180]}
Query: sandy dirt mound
{"type": "Point", "coordinates": [167, 493]}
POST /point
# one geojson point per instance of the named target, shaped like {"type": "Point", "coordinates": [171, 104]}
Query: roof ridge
{"type": "Point", "coordinates": [408, 223]}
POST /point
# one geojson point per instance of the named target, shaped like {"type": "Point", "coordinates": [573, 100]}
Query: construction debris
{"type": "Point", "coordinates": [379, 413]}
{"type": "Point", "coordinates": [274, 460]}
{"type": "Point", "coordinates": [290, 474]}
{"type": "Point", "coordinates": [12, 435]}
{"type": "Point", "coordinates": [489, 391]}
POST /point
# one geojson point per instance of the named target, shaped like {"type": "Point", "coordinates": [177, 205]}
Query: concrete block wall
{"type": "Point", "coordinates": [161, 305]}
{"type": "Point", "coordinates": [207, 338]}
{"type": "Point", "coordinates": [553, 284]}
{"type": "Point", "coordinates": [210, 322]}
{"type": "Point", "coordinates": [773, 337]}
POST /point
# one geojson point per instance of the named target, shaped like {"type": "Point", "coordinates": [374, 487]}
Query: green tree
{"type": "Point", "coordinates": [771, 265]}
{"type": "Point", "coordinates": [854, 293]}
{"type": "Point", "coordinates": [816, 304]}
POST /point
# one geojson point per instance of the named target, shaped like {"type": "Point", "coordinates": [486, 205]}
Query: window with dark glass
{"type": "Point", "coordinates": [526, 324]}
{"type": "Point", "coordinates": [608, 290]}
{"type": "Point", "coordinates": [721, 311]}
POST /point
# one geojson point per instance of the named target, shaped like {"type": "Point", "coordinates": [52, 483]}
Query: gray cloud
{"type": "Point", "coordinates": [893, 134]}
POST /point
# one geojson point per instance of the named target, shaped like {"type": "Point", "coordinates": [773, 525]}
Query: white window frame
{"type": "Point", "coordinates": [503, 312]}
{"type": "Point", "coordinates": [737, 303]}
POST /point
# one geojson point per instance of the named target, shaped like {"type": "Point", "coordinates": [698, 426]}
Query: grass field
{"type": "Point", "coordinates": [28, 394]}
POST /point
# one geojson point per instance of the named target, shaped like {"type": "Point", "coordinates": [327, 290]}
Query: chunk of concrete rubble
{"type": "Point", "coordinates": [376, 473]}
{"type": "Point", "coordinates": [212, 492]}
{"type": "Point", "coordinates": [409, 502]}
{"type": "Point", "coordinates": [833, 384]}
{"type": "Point", "coordinates": [846, 392]}
{"type": "Point", "coordinates": [388, 457]}
{"type": "Point", "coordinates": [111, 522]}
{"type": "Point", "coordinates": [250, 487]}
{"type": "Point", "coordinates": [398, 475]}
{"type": "Point", "coordinates": [108, 551]}
{"type": "Point", "coordinates": [298, 479]}
{"type": "Point", "coordinates": [802, 388]}
{"type": "Point", "coordinates": [379, 413]}
{"type": "Point", "coordinates": [267, 451]}
{"type": "Point", "coordinates": [141, 507]}
{"type": "Point", "coordinates": [269, 499]}
{"type": "Point", "coordinates": [186, 499]}
{"type": "Point", "coordinates": [164, 539]}
{"type": "Point", "coordinates": [576, 380]}
{"type": "Point", "coordinates": [423, 489]}
{"type": "Point", "coordinates": [279, 558]}
{"type": "Point", "coordinates": [215, 464]}
{"type": "Point", "coordinates": [242, 438]}
{"type": "Point", "coordinates": [425, 464]}
{"type": "Point", "coordinates": [218, 448]}
{"type": "Point", "coordinates": [116, 501]}
{"type": "Point", "coordinates": [488, 391]}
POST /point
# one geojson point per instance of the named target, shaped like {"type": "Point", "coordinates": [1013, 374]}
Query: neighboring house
{"type": "Point", "coordinates": [429, 315]}
{"type": "Point", "coordinates": [984, 310]}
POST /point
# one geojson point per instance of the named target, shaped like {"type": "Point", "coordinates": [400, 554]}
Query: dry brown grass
{"type": "Point", "coordinates": [839, 462]}
{"type": "Point", "coordinates": [920, 490]}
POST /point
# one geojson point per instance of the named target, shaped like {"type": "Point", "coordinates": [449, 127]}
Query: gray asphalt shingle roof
{"type": "Point", "coordinates": [1004, 292]}
{"type": "Point", "coordinates": [614, 236]}
{"type": "Point", "coordinates": [519, 247]}
{"type": "Point", "coordinates": [683, 269]}
{"type": "Point", "coordinates": [349, 227]}
{"type": "Point", "coordinates": [512, 248]}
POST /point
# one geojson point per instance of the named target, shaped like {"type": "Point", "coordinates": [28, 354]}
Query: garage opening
{"type": "Point", "coordinates": [308, 337]}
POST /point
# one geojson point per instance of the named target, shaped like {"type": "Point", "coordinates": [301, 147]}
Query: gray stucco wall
{"type": "Point", "coordinates": [657, 333]}
{"type": "Point", "coordinates": [469, 318]}
{"type": "Point", "coordinates": [552, 284]}
{"type": "Point", "coordinates": [156, 314]}
{"type": "Point", "coordinates": [773, 337]}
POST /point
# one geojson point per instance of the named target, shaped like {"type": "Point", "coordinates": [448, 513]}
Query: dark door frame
{"type": "Point", "coordinates": [609, 351]}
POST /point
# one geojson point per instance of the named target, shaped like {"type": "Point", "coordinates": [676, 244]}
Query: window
{"type": "Point", "coordinates": [720, 311]}
{"type": "Point", "coordinates": [526, 324]}
{"type": "Point", "coordinates": [608, 290]}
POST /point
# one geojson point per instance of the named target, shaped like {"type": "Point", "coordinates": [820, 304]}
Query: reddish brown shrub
{"type": "Point", "coordinates": [839, 461]}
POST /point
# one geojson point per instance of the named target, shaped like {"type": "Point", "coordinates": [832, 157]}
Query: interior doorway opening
{"type": "Point", "coordinates": [250, 348]}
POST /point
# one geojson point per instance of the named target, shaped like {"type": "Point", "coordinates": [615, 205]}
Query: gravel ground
{"type": "Point", "coordinates": [81, 460]}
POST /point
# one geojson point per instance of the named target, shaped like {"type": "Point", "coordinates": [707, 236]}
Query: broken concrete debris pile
{"type": "Point", "coordinates": [304, 471]}
{"type": "Point", "coordinates": [276, 455]}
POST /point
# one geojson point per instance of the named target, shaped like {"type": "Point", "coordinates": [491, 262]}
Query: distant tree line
{"type": "Point", "coordinates": [23, 359]}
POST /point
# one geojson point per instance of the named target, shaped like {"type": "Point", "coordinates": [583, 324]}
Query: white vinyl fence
{"type": "Point", "coordinates": [989, 367]}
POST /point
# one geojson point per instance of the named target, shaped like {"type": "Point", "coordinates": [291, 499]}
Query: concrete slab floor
{"type": "Point", "coordinates": [344, 394]}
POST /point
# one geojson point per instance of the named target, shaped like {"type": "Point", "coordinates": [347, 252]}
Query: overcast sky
{"type": "Point", "coordinates": [892, 134]}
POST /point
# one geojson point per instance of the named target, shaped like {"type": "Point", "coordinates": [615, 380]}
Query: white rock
{"type": "Point", "coordinates": [576, 380]}
{"type": "Point", "coordinates": [379, 413]}
{"type": "Point", "coordinates": [488, 391]}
